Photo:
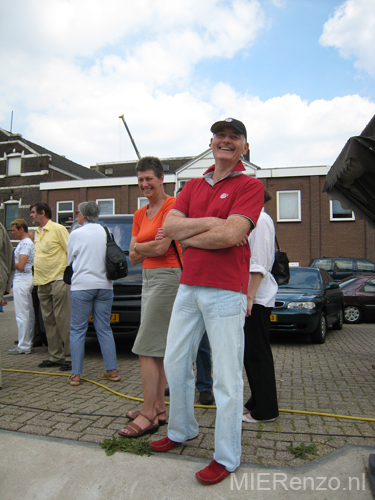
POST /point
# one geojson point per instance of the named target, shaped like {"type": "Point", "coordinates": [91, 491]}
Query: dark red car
{"type": "Point", "coordinates": [359, 298]}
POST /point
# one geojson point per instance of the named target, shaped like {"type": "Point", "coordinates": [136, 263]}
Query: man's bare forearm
{"type": "Point", "coordinates": [224, 236]}
{"type": "Point", "coordinates": [179, 227]}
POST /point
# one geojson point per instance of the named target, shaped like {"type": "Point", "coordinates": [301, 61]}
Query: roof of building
{"type": "Point", "coordinates": [63, 163]}
{"type": "Point", "coordinates": [58, 161]}
{"type": "Point", "coordinates": [127, 168]}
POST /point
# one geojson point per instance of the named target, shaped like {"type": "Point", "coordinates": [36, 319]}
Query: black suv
{"type": "Point", "coordinates": [342, 267]}
{"type": "Point", "coordinates": [126, 308]}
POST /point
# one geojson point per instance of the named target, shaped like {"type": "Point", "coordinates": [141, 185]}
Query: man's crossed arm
{"type": "Point", "coordinates": [210, 233]}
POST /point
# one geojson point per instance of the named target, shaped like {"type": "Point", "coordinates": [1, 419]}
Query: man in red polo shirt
{"type": "Point", "coordinates": [212, 219]}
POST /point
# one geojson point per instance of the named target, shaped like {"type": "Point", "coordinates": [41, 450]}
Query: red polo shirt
{"type": "Point", "coordinates": [237, 194]}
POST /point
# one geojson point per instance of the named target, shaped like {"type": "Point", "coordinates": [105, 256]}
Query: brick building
{"type": "Point", "coordinates": [115, 194]}
{"type": "Point", "coordinates": [23, 166]}
{"type": "Point", "coordinates": [308, 225]}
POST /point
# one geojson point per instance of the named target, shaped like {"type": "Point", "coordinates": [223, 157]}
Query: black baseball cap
{"type": "Point", "coordinates": [232, 123]}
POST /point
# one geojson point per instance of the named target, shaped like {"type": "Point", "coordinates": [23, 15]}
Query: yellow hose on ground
{"type": "Point", "coordinates": [301, 412]}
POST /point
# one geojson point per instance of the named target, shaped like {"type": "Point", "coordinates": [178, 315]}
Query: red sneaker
{"type": "Point", "coordinates": [212, 474]}
{"type": "Point", "coordinates": [164, 444]}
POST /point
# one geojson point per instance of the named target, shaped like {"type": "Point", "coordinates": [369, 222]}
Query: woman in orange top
{"type": "Point", "coordinates": [160, 280]}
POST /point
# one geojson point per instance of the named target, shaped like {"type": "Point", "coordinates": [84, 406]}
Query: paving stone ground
{"type": "Point", "coordinates": [334, 378]}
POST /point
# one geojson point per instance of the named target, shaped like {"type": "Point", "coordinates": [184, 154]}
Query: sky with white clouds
{"type": "Point", "coordinates": [299, 73]}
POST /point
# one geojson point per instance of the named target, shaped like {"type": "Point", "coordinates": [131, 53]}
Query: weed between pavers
{"type": "Point", "coordinates": [301, 451]}
{"type": "Point", "coordinates": [136, 446]}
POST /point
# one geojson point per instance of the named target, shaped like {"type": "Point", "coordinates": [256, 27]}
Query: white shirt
{"type": "Point", "coordinates": [262, 247]}
{"type": "Point", "coordinates": [24, 247]}
{"type": "Point", "coordinates": [87, 247]}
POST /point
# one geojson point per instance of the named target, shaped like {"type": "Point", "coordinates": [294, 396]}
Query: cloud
{"type": "Point", "coordinates": [72, 29]}
{"type": "Point", "coordinates": [351, 30]}
{"type": "Point", "coordinates": [288, 131]}
{"type": "Point", "coordinates": [72, 69]}
{"type": "Point", "coordinates": [69, 71]}
{"type": "Point", "coordinates": [282, 131]}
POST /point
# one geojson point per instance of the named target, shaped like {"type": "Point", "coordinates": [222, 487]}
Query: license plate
{"type": "Point", "coordinates": [115, 318]}
{"type": "Point", "coordinates": [273, 318]}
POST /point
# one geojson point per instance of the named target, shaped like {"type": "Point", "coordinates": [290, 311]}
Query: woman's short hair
{"type": "Point", "coordinates": [20, 223]}
{"type": "Point", "coordinates": [90, 210]}
{"type": "Point", "coordinates": [150, 163]}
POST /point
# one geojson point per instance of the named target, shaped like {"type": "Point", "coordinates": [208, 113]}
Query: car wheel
{"type": "Point", "coordinates": [352, 314]}
{"type": "Point", "coordinates": [319, 336]}
{"type": "Point", "coordinates": [339, 322]}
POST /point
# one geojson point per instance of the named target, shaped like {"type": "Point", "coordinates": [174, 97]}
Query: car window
{"type": "Point", "coordinates": [323, 264]}
{"type": "Point", "coordinates": [121, 230]}
{"type": "Point", "coordinates": [344, 265]}
{"type": "Point", "coordinates": [369, 287]}
{"type": "Point", "coordinates": [347, 282]}
{"type": "Point", "coordinates": [304, 279]}
{"type": "Point", "coordinates": [365, 266]}
{"type": "Point", "coordinates": [327, 279]}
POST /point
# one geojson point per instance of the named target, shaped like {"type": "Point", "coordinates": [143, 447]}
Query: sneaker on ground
{"type": "Point", "coordinates": [16, 350]}
{"type": "Point", "coordinates": [250, 420]}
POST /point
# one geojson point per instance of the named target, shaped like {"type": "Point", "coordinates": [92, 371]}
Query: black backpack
{"type": "Point", "coordinates": [115, 260]}
{"type": "Point", "coordinates": [280, 269]}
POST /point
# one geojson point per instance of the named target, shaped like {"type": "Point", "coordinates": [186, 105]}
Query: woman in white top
{"type": "Point", "coordinates": [258, 359]}
{"type": "Point", "coordinates": [22, 287]}
{"type": "Point", "coordinates": [90, 292]}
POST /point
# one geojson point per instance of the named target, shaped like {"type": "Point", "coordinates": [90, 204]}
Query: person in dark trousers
{"type": "Point", "coordinates": [204, 377]}
{"type": "Point", "coordinates": [258, 359]}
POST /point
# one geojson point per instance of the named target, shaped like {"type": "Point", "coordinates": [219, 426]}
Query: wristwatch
{"type": "Point", "coordinates": [135, 247]}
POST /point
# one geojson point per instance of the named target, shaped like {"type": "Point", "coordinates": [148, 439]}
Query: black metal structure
{"type": "Point", "coordinates": [351, 179]}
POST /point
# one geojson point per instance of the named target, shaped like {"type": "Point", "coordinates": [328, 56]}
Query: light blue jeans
{"type": "Point", "coordinates": [222, 314]}
{"type": "Point", "coordinates": [82, 304]}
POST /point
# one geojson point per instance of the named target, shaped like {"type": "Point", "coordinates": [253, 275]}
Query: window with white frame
{"type": "Point", "coordinates": [106, 206]}
{"type": "Point", "coordinates": [181, 184]}
{"type": "Point", "coordinates": [64, 212]}
{"type": "Point", "coordinates": [11, 212]}
{"type": "Point", "coordinates": [288, 206]}
{"type": "Point", "coordinates": [142, 202]}
{"type": "Point", "coordinates": [336, 212]}
{"type": "Point", "coordinates": [14, 164]}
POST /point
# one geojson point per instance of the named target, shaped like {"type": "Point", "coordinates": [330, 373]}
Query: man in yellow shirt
{"type": "Point", "coordinates": [51, 243]}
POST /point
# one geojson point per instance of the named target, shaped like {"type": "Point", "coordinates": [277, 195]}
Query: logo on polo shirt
{"type": "Point", "coordinates": [224, 195]}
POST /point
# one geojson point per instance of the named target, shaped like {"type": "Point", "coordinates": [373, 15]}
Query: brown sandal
{"type": "Point", "coordinates": [74, 382]}
{"type": "Point", "coordinates": [136, 413]}
{"type": "Point", "coordinates": [137, 431]}
{"type": "Point", "coordinates": [114, 377]}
